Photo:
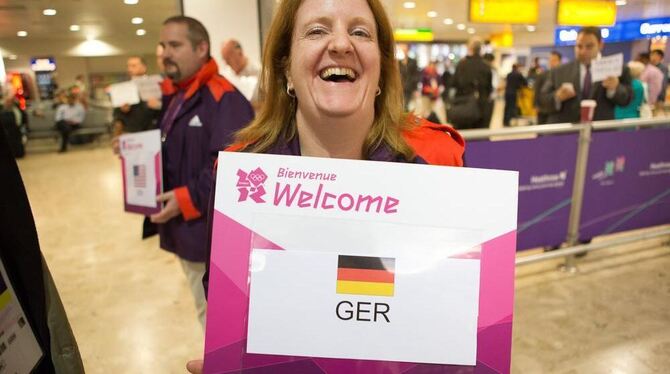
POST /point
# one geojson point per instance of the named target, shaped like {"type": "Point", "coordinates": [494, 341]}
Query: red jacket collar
{"type": "Point", "coordinates": [192, 84]}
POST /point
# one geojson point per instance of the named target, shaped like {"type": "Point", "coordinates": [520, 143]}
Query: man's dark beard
{"type": "Point", "coordinates": [175, 75]}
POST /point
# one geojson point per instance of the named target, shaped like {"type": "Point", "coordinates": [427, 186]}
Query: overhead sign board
{"type": "Point", "coordinates": [413, 35]}
{"type": "Point", "coordinates": [42, 64]}
{"type": "Point", "coordinates": [619, 32]}
{"type": "Point", "coordinates": [586, 13]}
{"type": "Point", "coordinates": [504, 11]}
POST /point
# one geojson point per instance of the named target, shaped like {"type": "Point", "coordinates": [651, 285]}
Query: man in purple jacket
{"type": "Point", "coordinates": [201, 110]}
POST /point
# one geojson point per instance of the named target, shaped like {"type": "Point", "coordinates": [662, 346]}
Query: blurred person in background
{"type": "Point", "coordinates": [656, 57]}
{"type": "Point", "coordinates": [632, 110]}
{"type": "Point", "coordinates": [534, 71]}
{"type": "Point", "coordinates": [239, 67]}
{"type": "Point", "coordinates": [513, 83]}
{"type": "Point", "coordinates": [473, 78]}
{"type": "Point", "coordinates": [69, 117]}
{"type": "Point", "coordinates": [567, 85]}
{"type": "Point", "coordinates": [137, 117]}
{"type": "Point", "coordinates": [554, 61]}
{"type": "Point", "coordinates": [430, 91]}
{"type": "Point", "coordinates": [652, 76]}
{"type": "Point", "coordinates": [445, 82]}
{"type": "Point", "coordinates": [411, 76]}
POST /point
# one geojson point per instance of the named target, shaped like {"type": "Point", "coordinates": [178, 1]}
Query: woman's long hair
{"type": "Point", "coordinates": [275, 121]}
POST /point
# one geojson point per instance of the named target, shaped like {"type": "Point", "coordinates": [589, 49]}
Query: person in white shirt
{"type": "Point", "coordinates": [69, 117]}
{"type": "Point", "coordinates": [242, 72]}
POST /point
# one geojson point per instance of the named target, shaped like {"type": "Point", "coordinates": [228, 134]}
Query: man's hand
{"type": "Point", "coordinates": [169, 211]}
{"type": "Point", "coordinates": [195, 366]}
{"type": "Point", "coordinates": [611, 83]}
{"type": "Point", "coordinates": [125, 108]}
{"type": "Point", "coordinates": [565, 93]}
{"type": "Point", "coordinates": [154, 104]}
{"type": "Point", "coordinates": [115, 145]}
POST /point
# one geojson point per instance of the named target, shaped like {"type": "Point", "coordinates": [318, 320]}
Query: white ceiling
{"type": "Point", "coordinates": [105, 20]}
{"type": "Point", "coordinates": [109, 21]}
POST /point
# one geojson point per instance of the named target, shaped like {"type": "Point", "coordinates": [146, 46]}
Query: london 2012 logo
{"type": "Point", "coordinates": [250, 185]}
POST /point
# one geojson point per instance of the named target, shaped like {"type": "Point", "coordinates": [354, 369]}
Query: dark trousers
{"type": "Point", "coordinates": [65, 129]}
{"type": "Point", "coordinates": [542, 118]}
{"type": "Point", "coordinates": [511, 110]}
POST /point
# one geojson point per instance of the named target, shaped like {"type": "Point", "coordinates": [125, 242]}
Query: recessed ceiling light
{"type": "Point", "coordinates": [141, 32]}
{"type": "Point", "coordinates": [409, 5]}
{"type": "Point", "coordinates": [22, 33]}
{"type": "Point", "coordinates": [75, 28]}
{"type": "Point", "coordinates": [13, 57]}
{"type": "Point", "coordinates": [49, 12]}
{"type": "Point", "coordinates": [448, 21]}
{"type": "Point", "coordinates": [432, 14]}
{"type": "Point", "coordinates": [530, 28]}
{"type": "Point", "coordinates": [460, 26]}
{"type": "Point", "coordinates": [620, 2]}
{"type": "Point", "coordinates": [131, 2]}
{"type": "Point", "coordinates": [471, 30]}
{"type": "Point", "coordinates": [137, 20]}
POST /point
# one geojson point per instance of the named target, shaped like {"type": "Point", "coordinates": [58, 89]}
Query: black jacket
{"type": "Point", "coordinates": [569, 109]}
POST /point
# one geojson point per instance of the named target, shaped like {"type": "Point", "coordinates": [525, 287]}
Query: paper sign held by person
{"type": "Point", "coordinates": [610, 66]}
{"type": "Point", "coordinates": [142, 171]}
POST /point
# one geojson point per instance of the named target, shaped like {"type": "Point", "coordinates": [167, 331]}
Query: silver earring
{"type": "Point", "coordinates": [289, 90]}
{"type": "Point", "coordinates": [378, 92]}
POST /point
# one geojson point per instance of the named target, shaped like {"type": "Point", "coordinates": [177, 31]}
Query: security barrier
{"type": "Point", "coordinates": [577, 181]}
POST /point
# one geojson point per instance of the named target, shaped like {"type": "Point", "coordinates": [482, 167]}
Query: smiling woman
{"type": "Point", "coordinates": [331, 88]}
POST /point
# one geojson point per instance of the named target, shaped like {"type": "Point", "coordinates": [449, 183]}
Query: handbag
{"type": "Point", "coordinates": [464, 112]}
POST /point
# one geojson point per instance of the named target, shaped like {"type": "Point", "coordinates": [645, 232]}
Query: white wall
{"type": "Point", "coordinates": [225, 19]}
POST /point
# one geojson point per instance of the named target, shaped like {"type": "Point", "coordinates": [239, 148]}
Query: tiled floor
{"type": "Point", "coordinates": [132, 312]}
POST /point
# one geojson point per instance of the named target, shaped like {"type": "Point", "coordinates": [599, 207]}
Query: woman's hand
{"type": "Point", "coordinates": [195, 366]}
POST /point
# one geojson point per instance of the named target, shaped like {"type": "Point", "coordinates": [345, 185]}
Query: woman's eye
{"type": "Point", "coordinates": [316, 31]}
{"type": "Point", "coordinates": [360, 32]}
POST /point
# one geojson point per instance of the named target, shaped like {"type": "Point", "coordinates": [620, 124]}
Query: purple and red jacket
{"type": "Point", "coordinates": [198, 119]}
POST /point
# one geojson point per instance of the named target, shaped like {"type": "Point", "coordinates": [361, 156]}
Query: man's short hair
{"type": "Point", "coordinates": [659, 52]}
{"type": "Point", "coordinates": [475, 46]}
{"type": "Point", "coordinates": [142, 59]}
{"type": "Point", "coordinates": [197, 33]}
{"type": "Point", "coordinates": [592, 30]}
{"type": "Point", "coordinates": [557, 54]}
{"type": "Point", "coordinates": [643, 57]}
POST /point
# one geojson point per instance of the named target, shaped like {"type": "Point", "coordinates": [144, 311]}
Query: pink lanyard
{"type": "Point", "coordinates": [171, 114]}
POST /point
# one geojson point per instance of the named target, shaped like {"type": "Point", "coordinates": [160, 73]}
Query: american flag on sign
{"type": "Point", "coordinates": [139, 176]}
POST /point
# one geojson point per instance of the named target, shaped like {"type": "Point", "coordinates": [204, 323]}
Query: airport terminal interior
{"type": "Point", "coordinates": [591, 279]}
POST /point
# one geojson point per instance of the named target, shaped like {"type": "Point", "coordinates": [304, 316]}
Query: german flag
{"type": "Point", "coordinates": [360, 275]}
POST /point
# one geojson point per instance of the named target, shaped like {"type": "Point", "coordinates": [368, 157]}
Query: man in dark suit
{"type": "Point", "coordinates": [569, 84]}
{"type": "Point", "coordinates": [554, 61]}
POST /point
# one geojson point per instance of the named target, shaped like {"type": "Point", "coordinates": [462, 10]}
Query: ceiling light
{"type": "Point", "coordinates": [13, 57]}
{"type": "Point", "coordinates": [471, 30]}
{"type": "Point", "coordinates": [141, 32]}
{"type": "Point", "coordinates": [75, 28]}
{"type": "Point", "coordinates": [136, 20]}
{"type": "Point", "coordinates": [49, 12]}
{"type": "Point", "coordinates": [432, 14]}
{"type": "Point", "coordinates": [460, 26]}
{"type": "Point", "coordinates": [131, 2]}
{"type": "Point", "coordinates": [530, 28]}
{"type": "Point", "coordinates": [448, 21]}
{"type": "Point", "coordinates": [620, 2]}
{"type": "Point", "coordinates": [22, 33]}
{"type": "Point", "coordinates": [409, 5]}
